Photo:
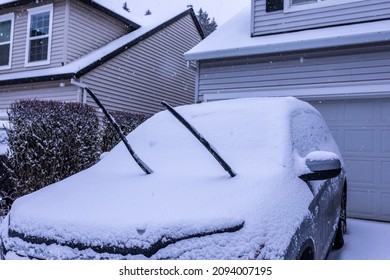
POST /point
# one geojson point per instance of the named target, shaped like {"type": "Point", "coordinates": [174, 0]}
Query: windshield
{"type": "Point", "coordinates": [167, 146]}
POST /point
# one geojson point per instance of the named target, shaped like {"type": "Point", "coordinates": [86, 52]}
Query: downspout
{"type": "Point", "coordinates": [252, 18]}
{"type": "Point", "coordinates": [196, 69]}
{"type": "Point", "coordinates": [197, 82]}
{"type": "Point", "coordinates": [81, 94]}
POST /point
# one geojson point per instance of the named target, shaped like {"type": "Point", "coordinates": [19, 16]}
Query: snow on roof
{"type": "Point", "coordinates": [160, 11]}
{"type": "Point", "coordinates": [234, 38]}
{"type": "Point", "coordinates": [117, 9]}
{"type": "Point", "coordinates": [148, 24]}
{"type": "Point", "coordinates": [107, 4]}
{"type": "Point", "coordinates": [85, 61]}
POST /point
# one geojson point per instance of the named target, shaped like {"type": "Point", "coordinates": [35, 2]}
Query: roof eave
{"type": "Point", "coordinates": [84, 70]}
{"type": "Point", "coordinates": [300, 45]}
{"type": "Point", "coordinates": [36, 79]}
{"type": "Point", "coordinates": [15, 4]}
{"type": "Point", "coordinates": [111, 13]}
{"type": "Point", "coordinates": [88, 2]}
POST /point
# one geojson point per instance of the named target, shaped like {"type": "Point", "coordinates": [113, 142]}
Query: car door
{"type": "Point", "coordinates": [310, 133]}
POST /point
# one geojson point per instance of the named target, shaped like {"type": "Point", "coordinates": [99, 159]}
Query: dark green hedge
{"type": "Point", "coordinates": [127, 122]}
{"type": "Point", "coordinates": [50, 141]}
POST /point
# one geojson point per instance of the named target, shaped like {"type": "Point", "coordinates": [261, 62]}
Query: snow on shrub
{"type": "Point", "coordinates": [50, 141]}
{"type": "Point", "coordinates": [7, 193]}
{"type": "Point", "coordinates": [127, 122]}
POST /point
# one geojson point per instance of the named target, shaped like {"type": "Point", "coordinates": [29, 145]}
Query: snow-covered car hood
{"type": "Point", "coordinates": [113, 204]}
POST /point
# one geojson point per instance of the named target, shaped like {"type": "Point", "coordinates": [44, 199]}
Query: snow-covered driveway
{"type": "Point", "coordinates": [365, 240]}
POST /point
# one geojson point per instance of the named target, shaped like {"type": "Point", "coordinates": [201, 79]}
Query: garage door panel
{"type": "Point", "coordinates": [385, 202]}
{"type": "Point", "coordinates": [358, 111]}
{"type": "Point", "coordinates": [362, 130]}
{"type": "Point", "coordinates": [359, 140]}
{"type": "Point", "coordinates": [331, 113]}
{"type": "Point", "coordinates": [385, 171]}
{"type": "Point", "coordinates": [360, 171]}
{"type": "Point", "coordinates": [385, 141]}
{"type": "Point", "coordinates": [361, 203]}
{"type": "Point", "coordinates": [385, 116]}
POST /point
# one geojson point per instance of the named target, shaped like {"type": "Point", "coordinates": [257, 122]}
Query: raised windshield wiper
{"type": "Point", "coordinates": [201, 139]}
{"type": "Point", "coordinates": [118, 130]}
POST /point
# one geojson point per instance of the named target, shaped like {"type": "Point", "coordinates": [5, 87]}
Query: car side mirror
{"type": "Point", "coordinates": [323, 166]}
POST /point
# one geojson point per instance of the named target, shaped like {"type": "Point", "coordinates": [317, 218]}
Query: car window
{"type": "Point", "coordinates": [310, 133]}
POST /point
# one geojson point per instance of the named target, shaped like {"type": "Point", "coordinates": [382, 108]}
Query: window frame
{"type": "Point", "coordinates": [8, 17]}
{"type": "Point", "coordinates": [31, 12]}
{"type": "Point", "coordinates": [289, 7]}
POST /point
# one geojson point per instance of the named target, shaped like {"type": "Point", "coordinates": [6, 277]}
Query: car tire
{"type": "Point", "coordinates": [307, 251]}
{"type": "Point", "coordinates": [307, 254]}
{"type": "Point", "coordinates": [2, 250]}
{"type": "Point", "coordinates": [338, 242]}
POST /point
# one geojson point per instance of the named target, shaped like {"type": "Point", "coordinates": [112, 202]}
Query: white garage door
{"type": "Point", "coordinates": [362, 130]}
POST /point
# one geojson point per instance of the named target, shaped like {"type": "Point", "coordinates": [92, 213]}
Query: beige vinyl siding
{"type": "Point", "coordinates": [19, 44]}
{"type": "Point", "coordinates": [20, 36]}
{"type": "Point", "coordinates": [90, 29]}
{"type": "Point", "coordinates": [58, 90]}
{"type": "Point", "coordinates": [280, 21]}
{"type": "Point", "coordinates": [77, 30]}
{"type": "Point", "coordinates": [320, 67]}
{"type": "Point", "coordinates": [59, 32]}
{"type": "Point", "coordinates": [153, 70]}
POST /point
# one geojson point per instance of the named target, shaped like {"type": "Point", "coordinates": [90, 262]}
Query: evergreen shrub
{"type": "Point", "coordinates": [126, 121]}
{"type": "Point", "coordinates": [49, 141]}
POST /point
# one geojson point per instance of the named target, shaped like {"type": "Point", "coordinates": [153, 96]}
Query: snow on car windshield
{"type": "Point", "coordinates": [114, 202]}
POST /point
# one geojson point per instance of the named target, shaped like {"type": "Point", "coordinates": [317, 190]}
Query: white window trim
{"type": "Point", "coordinates": [6, 18]}
{"type": "Point", "coordinates": [32, 11]}
{"type": "Point", "coordinates": [288, 7]}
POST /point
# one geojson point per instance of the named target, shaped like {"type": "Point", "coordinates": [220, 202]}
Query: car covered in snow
{"type": "Point", "coordinates": [273, 187]}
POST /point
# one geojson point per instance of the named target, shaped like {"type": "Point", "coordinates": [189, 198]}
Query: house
{"type": "Point", "coordinates": [131, 63]}
{"type": "Point", "coordinates": [334, 54]}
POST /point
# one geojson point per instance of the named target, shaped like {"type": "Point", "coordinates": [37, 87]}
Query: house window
{"type": "Point", "coordinates": [297, 5]}
{"type": "Point", "coordinates": [40, 21]}
{"type": "Point", "coordinates": [273, 5]}
{"type": "Point", "coordinates": [6, 34]}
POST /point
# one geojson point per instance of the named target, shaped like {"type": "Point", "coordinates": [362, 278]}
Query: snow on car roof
{"type": "Point", "coordinates": [114, 203]}
{"type": "Point", "coordinates": [234, 38]}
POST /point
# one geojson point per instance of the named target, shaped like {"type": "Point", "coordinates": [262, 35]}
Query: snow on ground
{"type": "Point", "coordinates": [365, 240]}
